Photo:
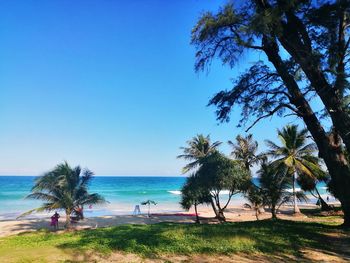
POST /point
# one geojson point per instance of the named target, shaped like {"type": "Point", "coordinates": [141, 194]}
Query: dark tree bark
{"type": "Point", "coordinates": [284, 26]}
{"type": "Point", "coordinates": [273, 212]}
{"type": "Point", "coordinates": [197, 217]}
{"type": "Point", "coordinates": [257, 213]}
{"type": "Point", "coordinates": [214, 208]}
{"type": "Point", "coordinates": [329, 146]}
{"type": "Point", "coordinates": [221, 216]}
{"type": "Point", "coordinates": [303, 55]}
{"type": "Point", "coordinates": [324, 205]}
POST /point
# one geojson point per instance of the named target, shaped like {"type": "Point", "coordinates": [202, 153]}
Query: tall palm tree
{"type": "Point", "coordinates": [64, 188]}
{"type": "Point", "coordinates": [310, 184]}
{"type": "Point", "coordinates": [197, 148]}
{"type": "Point", "coordinates": [296, 154]}
{"type": "Point", "coordinates": [274, 184]}
{"type": "Point", "coordinates": [245, 149]}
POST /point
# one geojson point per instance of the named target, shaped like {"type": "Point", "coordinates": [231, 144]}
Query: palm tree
{"type": "Point", "coordinates": [198, 148]}
{"type": "Point", "coordinates": [274, 182]}
{"type": "Point", "coordinates": [64, 188]}
{"type": "Point", "coordinates": [295, 154]}
{"type": "Point", "coordinates": [245, 149]}
{"type": "Point", "coordinates": [255, 198]}
{"type": "Point", "coordinates": [310, 184]}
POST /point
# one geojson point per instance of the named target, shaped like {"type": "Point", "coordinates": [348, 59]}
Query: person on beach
{"type": "Point", "coordinates": [54, 220]}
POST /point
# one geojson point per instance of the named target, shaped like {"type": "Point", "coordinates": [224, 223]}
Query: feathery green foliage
{"type": "Point", "coordinates": [307, 45]}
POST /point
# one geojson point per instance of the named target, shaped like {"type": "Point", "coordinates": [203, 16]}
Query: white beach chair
{"type": "Point", "coordinates": [137, 210]}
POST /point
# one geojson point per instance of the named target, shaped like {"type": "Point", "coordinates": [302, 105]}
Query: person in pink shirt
{"type": "Point", "coordinates": [54, 220]}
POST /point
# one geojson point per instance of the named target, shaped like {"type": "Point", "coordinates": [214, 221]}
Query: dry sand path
{"type": "Point", "coordinates": [233, 214]}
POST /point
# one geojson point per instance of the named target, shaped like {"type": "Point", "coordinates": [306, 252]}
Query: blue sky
{"type": "Point", "coordinates": [108, 85]}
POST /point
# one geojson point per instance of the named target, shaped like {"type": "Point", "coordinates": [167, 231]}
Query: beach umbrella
{"type": "Point", "coordinates": [149, 203]}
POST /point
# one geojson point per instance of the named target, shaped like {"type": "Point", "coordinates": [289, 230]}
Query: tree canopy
{"type": "Point", "coordinates": [66, 188]}
{"type": "Point", "coordinates": [197, 148]}
{"type": "Point", "coordinates": [218, 173]}
{"type": "Point", "coordinates": [306, 44]}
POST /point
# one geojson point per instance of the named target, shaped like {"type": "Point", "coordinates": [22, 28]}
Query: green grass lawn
{"type": "Point", "coordinates": [266, 237]}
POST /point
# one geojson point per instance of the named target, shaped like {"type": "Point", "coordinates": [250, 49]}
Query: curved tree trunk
{"type": "Point", "coordinates": [214, 208]}
{"type": "Point", "coordinates": [221, 216]}
{"type": "Point", "coordinates": [330, 150]}
{"type": "Point", "coordinates": [324, 205]}
{"type": "Point", "coordinates": [329, 145]}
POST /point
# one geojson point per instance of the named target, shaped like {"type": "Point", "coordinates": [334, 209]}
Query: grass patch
{"type": "Point", "coordinates": [270, 237]}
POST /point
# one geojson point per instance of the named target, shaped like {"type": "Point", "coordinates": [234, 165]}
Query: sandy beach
{"type": "Point", "coordinates": [234, 213]}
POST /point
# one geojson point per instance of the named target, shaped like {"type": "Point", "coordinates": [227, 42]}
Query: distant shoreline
{"type": "Point", "coordinates": [4, 175]}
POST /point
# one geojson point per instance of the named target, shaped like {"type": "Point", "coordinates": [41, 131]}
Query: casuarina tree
{"type": "Point", "coordinates": [306, 44]}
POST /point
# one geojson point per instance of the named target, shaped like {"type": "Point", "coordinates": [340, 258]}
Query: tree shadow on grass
{"type": "Point", "coordinates": [284, 237]}
{"type": "Point", "coordinates": [277, 238]}
{"type": "Point", "coordinates": [139, 239]}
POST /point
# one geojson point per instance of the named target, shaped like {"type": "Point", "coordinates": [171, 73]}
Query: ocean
{"type": "Point", "coordinates": [122, 193]}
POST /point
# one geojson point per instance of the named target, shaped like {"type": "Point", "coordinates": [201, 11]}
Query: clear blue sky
{"type": "Point", "coordinates": [108, 85]}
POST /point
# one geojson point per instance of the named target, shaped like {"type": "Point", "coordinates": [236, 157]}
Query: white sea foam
{"type": "Point", "coordinates": [296, 190]}
{"type": "Point", "coordinates": [178, 192]}
{"type": "Point", "coordinates": [175, 192]}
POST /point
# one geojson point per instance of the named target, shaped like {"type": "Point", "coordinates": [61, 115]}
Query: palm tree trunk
{"type": "Point", "coordinates": [296, 208]}
{"type": "Point", "coordinates": [257, 213]}
{"type": "Point", "coordinates": [68, 223]}
{"type": "Point", "coordinates": [197, 217]}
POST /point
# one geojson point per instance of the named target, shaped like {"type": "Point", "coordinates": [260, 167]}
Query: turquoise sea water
{"type": "Point", "coordinates": [122, 192]}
